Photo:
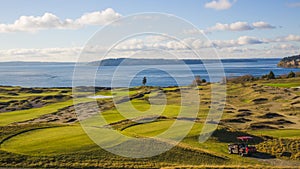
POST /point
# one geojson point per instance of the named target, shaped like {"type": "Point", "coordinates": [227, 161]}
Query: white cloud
{"type": "Point", "coordinates": [291, 38]}
{"type": "Point", "coordinates": [288, 38]}
{"type": "Point", "coordinates": [240, 26]}
{"type": "Point", "coordinates": [45, 54]}
{"type": "Point", "coordinates": [241, 41]}
{"type": "Point", "coordinates": [174, 45]}
{"type": "Point", "coordinates": [243, 46]}
{"type": "Point", "coordinates": [236, 26]}
{"type": "Point", "coordinates": [164, 43]}
{"type": "Point", "coordinates": [219, 4]}
{"type": "Point", "coordinates": [194, 31]}
{"type": "Point", "coordinates": [32, 23]}
{"type": "Point", "coordinates": [246, 40]}
{"type": "Point", "coordinates": [98, 18]}
{"type": "Point", "coordinates": [131, 44]}
{"type": "Point", "coordinates": [51, 21]}
{"type": "Point", "coordinates": [285, 47]}
{"type": "Point", "coordinates": [262, 25]}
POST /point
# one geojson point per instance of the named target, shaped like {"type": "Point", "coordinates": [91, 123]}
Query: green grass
{"type": "Point", "coordinates": [69, 145]}
{"type": "Point", "coordinates": [139, 108]}
{"type": "Point", "coordinates": [283, 84]}
{"type": "Point", "coordinates": [170, 88]}
{"type": "Point", "coordinates": [50, 141]}
{"type": "Point", "coordinates": [23, 115]}
{"type": "Point", "coordinates": [282, 133]}
{"type": "Point", "coordinates": [24, 96]}
{"type": "Point", "coordinates": [159, 127]}
{"type": "Point", "coordinates": [123, 92]}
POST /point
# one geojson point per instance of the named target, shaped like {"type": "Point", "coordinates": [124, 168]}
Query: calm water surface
{"type": "Point", "coordinates": [61, 74]}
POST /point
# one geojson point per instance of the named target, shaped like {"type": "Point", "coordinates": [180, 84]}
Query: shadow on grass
{"type": "Point", "coordinates": [262, 155]}
{"type": "Point", "coordinates": [229, 136]}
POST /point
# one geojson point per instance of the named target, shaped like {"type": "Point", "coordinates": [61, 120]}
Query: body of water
{"type": "Point", "coordinates": [61, 74]}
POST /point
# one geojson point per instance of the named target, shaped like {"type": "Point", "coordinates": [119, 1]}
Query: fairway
{"type": "Point", "coordinates": [159, 127]}
{"type": "Point", "coordinates": [50, 141]}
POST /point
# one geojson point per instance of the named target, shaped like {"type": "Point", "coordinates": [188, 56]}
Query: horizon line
{"type": "Point", "coordinates": [137, 58]}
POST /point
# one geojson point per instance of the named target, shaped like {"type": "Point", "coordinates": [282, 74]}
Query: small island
{"type": "Point", "coordinates": [290, 62]}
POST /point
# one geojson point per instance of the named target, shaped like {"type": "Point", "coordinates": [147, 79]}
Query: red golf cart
{"type": "Point", "coordinates": [242, 148]}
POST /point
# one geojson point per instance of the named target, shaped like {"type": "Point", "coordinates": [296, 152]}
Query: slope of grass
{"type": "Point", "coordinates": [155, 128]}
{"type": "Point", "coordinates": [283, 84]}
{"type": "Point", "coordinates": [281, 148]}
{"type": "Point", "coordinates": [282, 133]}
{"type": "Point", "coordinates": [49, 141]}
{"type": "Point", "coordinates": [69, 147]}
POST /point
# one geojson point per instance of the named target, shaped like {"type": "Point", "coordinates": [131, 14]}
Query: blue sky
{"type": "Point", "coordinates": [240, 28]}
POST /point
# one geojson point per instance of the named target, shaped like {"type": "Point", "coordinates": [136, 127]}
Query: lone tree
{"type": "Point", "coordinates": [271, 75]}
{"type": "Point", "coordinates": [291, 75]}
{"type": "Point", "coordinates": [197, 81]}
{"type": "Point", "coordinates": [144, 81]}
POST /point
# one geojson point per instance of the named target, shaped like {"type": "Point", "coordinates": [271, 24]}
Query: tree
{"type": "Point", "coordinates": [271, 75]}
{"type": "Point", "coordinates": [144, 81]}
{"type": "Point", "coordinates": [197, 81]}
{"type": "Point", "coordinates": [291, 75]}
{"type": "Point", "coordinates": [224, 80]}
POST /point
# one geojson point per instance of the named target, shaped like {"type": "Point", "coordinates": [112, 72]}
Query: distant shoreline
{"type": "Point", "coordinates": [224, 59]}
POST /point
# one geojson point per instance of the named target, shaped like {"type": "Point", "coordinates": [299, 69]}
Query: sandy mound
{"type": "Point", "coordinates": [244, 112]}
{"type": "Point", "coordinates": [255, 126]}
{"type": "Point", "coordinates": [237, 120]}
{"type": "Point", "coordinates": [260, 100]}
{"type": "Point", "coordinates": [270, 115]}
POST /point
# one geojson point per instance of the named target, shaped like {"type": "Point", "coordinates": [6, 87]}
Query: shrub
{"type": "Point", "coordinates": [241, 79]}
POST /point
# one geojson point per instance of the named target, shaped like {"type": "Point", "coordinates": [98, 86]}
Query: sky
{"type": "Point", "coordinates": [47, 31]}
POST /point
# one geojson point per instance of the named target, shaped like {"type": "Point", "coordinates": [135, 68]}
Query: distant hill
{"type": "Point", "coordinates": [290, 62]}
{"type": "Point", "coordinates": [134, 62]}
{"type": "Point", "coordinates": [129, 62]}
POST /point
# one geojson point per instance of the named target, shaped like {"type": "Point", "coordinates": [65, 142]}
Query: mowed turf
{"type": "Point", "coordinates": [166, 127]}
{"type": "Point", "coordinates": [71, 140]}
{"type": "Point", "coordinates": [50, 141]}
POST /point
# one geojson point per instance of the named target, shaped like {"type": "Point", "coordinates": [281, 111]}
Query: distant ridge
{"type": "Point", "coordinates": [134, 62]}
{"type": "Point", "coordinates": [128, 62]}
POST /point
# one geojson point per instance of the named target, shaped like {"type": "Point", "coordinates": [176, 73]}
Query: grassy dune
{"type": "Point", "coordinates": [23, 115]}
